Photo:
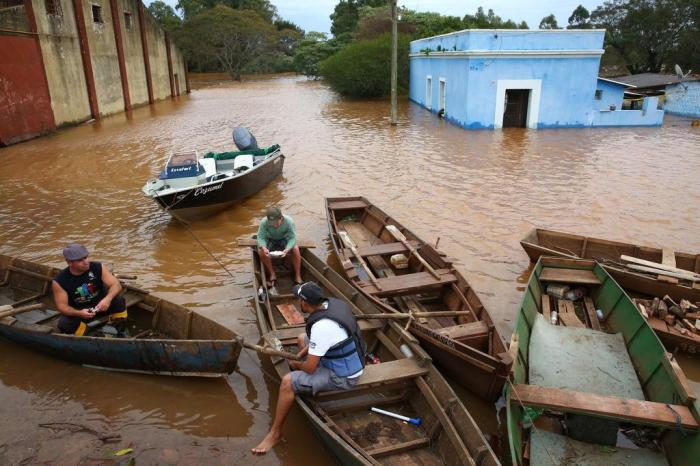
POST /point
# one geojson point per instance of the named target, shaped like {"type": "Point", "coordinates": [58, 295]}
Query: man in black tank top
{"type": "Point", "coordinates": [85, 289]}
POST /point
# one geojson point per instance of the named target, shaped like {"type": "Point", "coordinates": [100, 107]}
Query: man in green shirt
{"type": "Point", "coordinates": [276, 233]}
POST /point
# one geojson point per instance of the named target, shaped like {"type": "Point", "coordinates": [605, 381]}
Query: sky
{"type": "Point", "coordinates": [313, 15]}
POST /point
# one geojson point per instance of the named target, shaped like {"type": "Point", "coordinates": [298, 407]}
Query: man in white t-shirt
{"type": "Point", "coordinates": [334, 351]}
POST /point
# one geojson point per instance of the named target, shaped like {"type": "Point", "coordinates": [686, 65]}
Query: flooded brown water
{"type": "Point", "coordinates": [478, 191]}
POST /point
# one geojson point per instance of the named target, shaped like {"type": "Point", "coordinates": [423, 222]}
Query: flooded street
{"type": "Point", "coordinates": [479, 192]}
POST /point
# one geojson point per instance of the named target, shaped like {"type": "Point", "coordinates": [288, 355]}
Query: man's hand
{"type": "Point", "coordinates": [284, 253]}
{"type": "Point", "coordinates": [104, 304]}
{"type": "Point", "coordinates": [85, 314]}
{"type": "Point", "coordinates": [265, 251]}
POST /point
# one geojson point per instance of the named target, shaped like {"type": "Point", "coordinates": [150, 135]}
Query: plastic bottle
{"type": "Point", "coordinates": [261, 295]}
{"type": "Point", "coordinates": [553, 318]}
{"type": "Point", "coordinates": [406, 350]}
{"type": "Point", "coordinates": [575, 294]}
{"type": "Point", "coordinates": [599, 314]}
{"type": "Point", "coordinates": [557, 290]}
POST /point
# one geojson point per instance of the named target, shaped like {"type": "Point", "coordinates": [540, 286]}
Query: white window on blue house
{"type": "Point", "coordinates": [429, 92]}
{"type": "Point", "coordinates": [598, 94]}
{"type": "Point", "coordinates": [441, 96]}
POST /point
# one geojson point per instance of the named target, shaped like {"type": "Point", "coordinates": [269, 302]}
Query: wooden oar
{"type": "Point", "coordinates": [271, 352]}
{"type": "Point", "coordinates": [680, 273]}
{"type": "Point", "coordinates": [403, 315]}
{"type": "Point", "coordinates": [349, 243]}
{"type": "Point", "coordinates": [7, 311]}
{"type": "Point", "coordinates": [400, 237]}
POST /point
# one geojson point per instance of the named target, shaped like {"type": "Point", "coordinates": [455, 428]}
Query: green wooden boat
{"type": "Point", "coordinates": [573, 385]}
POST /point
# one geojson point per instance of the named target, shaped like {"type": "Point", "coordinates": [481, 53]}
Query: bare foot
{"type": "Point", "coordinates": [271, 439]}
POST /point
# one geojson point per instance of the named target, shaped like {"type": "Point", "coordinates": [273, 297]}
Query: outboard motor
{"type": "Point", "coordinates": [244, 139]}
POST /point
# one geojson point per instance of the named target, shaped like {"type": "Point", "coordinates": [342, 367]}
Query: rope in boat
{"type": "Point", "coordinates": [532, 421]}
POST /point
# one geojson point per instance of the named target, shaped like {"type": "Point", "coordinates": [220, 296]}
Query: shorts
{"type": "Point", "coordinates": [276, 244]}
{"type": "Point", "coordinates": [322, 380]}
{"type": "Point", "coordinates": [73, 324]}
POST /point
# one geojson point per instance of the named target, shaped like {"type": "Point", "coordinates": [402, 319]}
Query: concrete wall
{"type": "Point", "coordinates": [648, 116]}
{"type": "Point", "coordinates": [559, 68]}
{"type": "Point", "coordinates": [611, 95]}
{"type": "Point", "coordinates": [67, 84]}
{"type": "Point", "coordinates": [60, 47]}
{"type": "Point", "coordinates": [133, 52]}
{"type": "Point", "coordinates": [683, 99]}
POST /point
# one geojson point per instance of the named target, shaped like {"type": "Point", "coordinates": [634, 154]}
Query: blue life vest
{"type": "Point", "coordinates": [348, 356]}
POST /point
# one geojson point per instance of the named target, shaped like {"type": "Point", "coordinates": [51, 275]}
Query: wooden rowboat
{"type": "Point", "coordinates": [554, 243]}
{"type": "Point", "coordinates": [461, 337]}
{"type": "Point", "coordinates": [169, 339]}
{"type": "Point", "coordinates": [410, 386]}
{"type": "Point", "coordinates": [541, 242]}
{"type": "Point", "coordinates": [576, 389]}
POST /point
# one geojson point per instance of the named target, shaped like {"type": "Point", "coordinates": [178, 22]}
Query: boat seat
{"type": "Point", "coordinates": [243, 162]}
{"type": "Point", "coordinates": [209, 166]}
{"type": "Point", "coordinates": [382, 373]}
{"type": "Point", "coordinates": [471, 333]}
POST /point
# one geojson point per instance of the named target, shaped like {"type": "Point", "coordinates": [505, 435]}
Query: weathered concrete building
{"type": "Point", "coordinates": [488, 79]}
{"type": "Point", "coordinates": [67, 61]}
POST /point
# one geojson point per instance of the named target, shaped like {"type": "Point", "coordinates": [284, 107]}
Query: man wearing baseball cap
{"type": "Point", "coordinates": [84, 289]}
{"type": "Point", "coordinates": [277, 233]}
{"type": "Point", "coordinates": [334, 350]}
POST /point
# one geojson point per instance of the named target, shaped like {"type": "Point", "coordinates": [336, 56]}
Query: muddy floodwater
{"type": "Point", "coordinates": [479, 192]}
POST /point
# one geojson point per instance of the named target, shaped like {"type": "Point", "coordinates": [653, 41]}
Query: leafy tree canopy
{"type": "Point", "coordinates": [164, 15]}
{"type": "Point", "coordinates": [363, 69]}
{"type": "Point", "coordinates": [346, 15]}
{"type": "Point", "coordinates": [549, 22]}
{"type": "Point", "coordinates": [652, 34]}
{"type": "Point", "coordinates": [231, 38]}
{"type": "Point", "coordinates": [189, 8]}
{"type": "Point", "coordinates": [580, 19]}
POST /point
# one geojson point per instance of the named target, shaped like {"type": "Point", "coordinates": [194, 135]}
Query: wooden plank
{"type": "Point", "coordinates": [680, 382]}
{"type": "Point", "coordinates": [411, 283]}
{"type": "Point", "coordinates": [383, 249]}
{"type": "Point", "coordinates": [684, 276]}
{"type": "Point", "coordinates": [567, 314]}
{"type": "Point", "coordinates": [449, 428]}
{"type": "Point", "coordinates": [465, 331]}
{"type": "Point", "coordinates": [385, 372]}
{"type": "Point", "coordinates": [338, 205]}
{"type": "Point", "coordinates": [657, 266]}
{"type": "Point", "coordinates": [290, 314]}
{"type": "Point", "coordinates": [546, 307]}
{"type": "Point", "coordinates": [590, 310]}
{"type": "Point", "coordinates": [573, 276]}
{"type": "Point", "coordinates": [621, 409]}
{"type": "Point", "coordinates": [668, 257]}
{"type": "Point", "coordinates": [399, 447]}
{"type": "Point", "coordinates": [252, 242]}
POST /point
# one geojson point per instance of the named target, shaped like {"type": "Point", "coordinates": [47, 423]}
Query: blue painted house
{"type": "Point", "coordinates": [486, 79]}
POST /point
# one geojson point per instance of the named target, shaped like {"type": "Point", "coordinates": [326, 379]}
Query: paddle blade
{"type": "Point", "coordinates": [346, 239]}
{"type": "Point", "coordinates": [395, 231]}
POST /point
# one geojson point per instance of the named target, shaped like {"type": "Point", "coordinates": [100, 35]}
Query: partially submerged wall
{"type": "Point", "coordinates": [67, 61]}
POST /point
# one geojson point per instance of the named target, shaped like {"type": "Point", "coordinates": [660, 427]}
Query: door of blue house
{"type": "Point", "coordinates": [515, 112]}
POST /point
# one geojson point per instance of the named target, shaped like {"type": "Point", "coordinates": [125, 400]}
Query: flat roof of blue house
{"type": "Point", "coordinates": [611, 81]}
{"type": "Point", "coordinates": [509, 41]}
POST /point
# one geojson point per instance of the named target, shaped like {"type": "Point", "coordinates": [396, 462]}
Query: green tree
{"type": "Point", "coordinates": [490, 20]}
{"type": "Point", "coordinates": [346, 15]}
{"type": "Point", "coordinates": [311, 50]}
{"type": "Point", "coordinates": [580, 19]}
{"type": "Point", "coordinates": [652, 34]}
{"type": "Point", "coordinates": [231, 38]}
{"type": "Point", "coordinates": [523, 25]}
{"type": "Point", "coordinates": [362, 69]}
{"type": "Point", "coordinates": [164, 15]}
{"type": "Point", "coordinates": [190, 8]}
{"type": "Point", "coordinates": [549, 22]}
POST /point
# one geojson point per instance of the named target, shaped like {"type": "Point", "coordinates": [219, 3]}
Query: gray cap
{"type": "Point", "coordinates": [74, 252]}
{"type": "Point", "coordinates": [273, 213]}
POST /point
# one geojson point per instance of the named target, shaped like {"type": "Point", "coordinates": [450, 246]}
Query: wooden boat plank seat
{"type": "Point", "coordinates": [620, 409]}
{"type": "Point", "coordinates": [36, 316]}
{"type": "Point", "coordinates": [573, 276]}
{"type": "Point", "coordinates": [384, 372]}
{"type": "Point", "coordinates": [355, 204]}
{"type": "Point", "coordinates": [132, 299]}
{"type": "Point", "coordinates": [409, 283]}
{"type": "Point", "coordinates": [383, 249]}
{"type": "Point", "coordinates": [465, 331]}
